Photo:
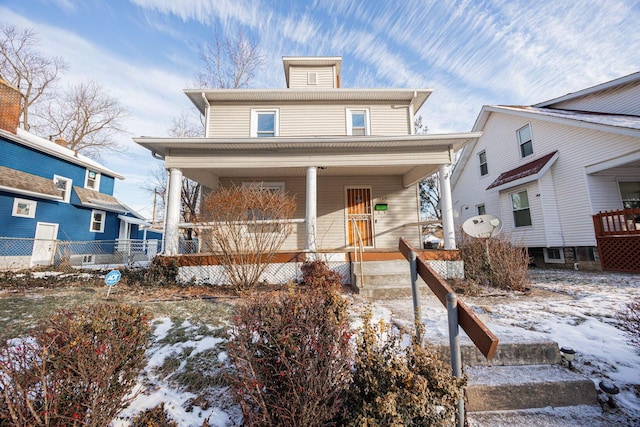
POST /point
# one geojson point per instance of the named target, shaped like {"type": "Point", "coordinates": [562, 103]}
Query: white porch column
{"type": "Point", "coordinates": [172, 213]}
{"type": "Point", "coordinates": [446, 207]}
{"type": "Point", "coordinates": [312, 208]}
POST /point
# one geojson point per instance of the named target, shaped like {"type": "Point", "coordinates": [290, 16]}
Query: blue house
{"type": "Point", "coordinates": [52, 194]}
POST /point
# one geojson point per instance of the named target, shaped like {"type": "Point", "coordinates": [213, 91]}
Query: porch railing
{"type": "Point", "coordinates": [616, 223]}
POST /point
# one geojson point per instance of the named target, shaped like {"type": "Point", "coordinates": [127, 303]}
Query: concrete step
{"type": "Point", "coordinates": [500, 388]}
{"type": "Point", "coordinates": [508, 354]}
{"type": "Point", "coordinates": [567, 416]}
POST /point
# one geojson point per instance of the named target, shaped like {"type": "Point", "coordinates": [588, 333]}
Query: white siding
{"type": "Point", "coordinates": [549, 209]}
{"type": "Point", "coordinates": [298, 77]}
{"type": "Point", "coordinates": [574, 191]}
{"type": "Point", "coordinates": [234, 121]}
{"type": "Point", "coordinates": [622, 100]}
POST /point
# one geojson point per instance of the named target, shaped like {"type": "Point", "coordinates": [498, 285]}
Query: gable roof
{"type": "Point", "coordinates": [310, 61]}
{"type": "Point", "coordinates": [631, 78]}
{"type": "Point", "coordinates": [525, 173]}
{"type": "Point", "coordinates": [27, 184]}
{"type": "Point", "coordinates": [51, 148]}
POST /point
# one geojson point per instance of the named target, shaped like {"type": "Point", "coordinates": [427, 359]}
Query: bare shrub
{"type": "Point", "coordinates": [244, 227]}
{"type": "Point", "coordinates": [630, 321]}
{"type": "Point", "coordinates": [393, 386]}
{"type": "Point", "coordinates": [154, 417]}
{"type": "Point", "coordinates": [291, 353]}
{"type": "Point", "coordinates": [494, 262]}
{"type": "Point", "coordinates": [77, 368]}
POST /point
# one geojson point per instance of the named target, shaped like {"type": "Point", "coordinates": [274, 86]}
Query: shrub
{"type": "Point", "coordinates": [238, 228]}
{"type": "Point", "coordinates": [630, 321]}
{"type": "Point", "coordinates": [154, 417]}
{"type": "Point", "coordinates": [494, 262]}
{"type": "Point", "coordinates": [77, 367]}
{"type": "Point", "coordinates": [393, 386]}
{"type": "Point", "coordinates": [291, 353]}
{"type": "Point", "coordinates": [317, 274]}
{"type": "Point", "coordinates": [160, 272]}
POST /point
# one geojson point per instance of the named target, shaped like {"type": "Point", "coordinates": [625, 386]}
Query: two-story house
{"type": "Point", "coordinates": [349, 156]}
{"type": "Point", "coordinates": [546, 169]}
{"type": "Point", "coordinates": [49, 192]}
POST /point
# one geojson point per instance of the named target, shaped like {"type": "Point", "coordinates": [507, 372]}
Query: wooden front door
{"type": "Point", "coordinates": [359, 216]}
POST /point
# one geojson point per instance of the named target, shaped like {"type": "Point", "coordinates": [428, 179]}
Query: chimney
{"type": "Point", "coordinates": [10, 99]}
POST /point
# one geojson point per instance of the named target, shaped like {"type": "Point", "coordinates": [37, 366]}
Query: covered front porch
{"type": "Point", "coordinates": [351, 193]}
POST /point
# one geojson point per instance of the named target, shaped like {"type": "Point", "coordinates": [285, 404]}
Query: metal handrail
{"type": "Point", "coordinates": [359, 250]}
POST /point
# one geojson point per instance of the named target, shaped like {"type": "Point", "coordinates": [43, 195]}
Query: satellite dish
{"type": "Point", "coordinates": [483, 226]}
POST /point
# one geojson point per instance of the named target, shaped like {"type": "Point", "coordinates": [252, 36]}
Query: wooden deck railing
{"type": "Point", "coordinates": [617, 223]}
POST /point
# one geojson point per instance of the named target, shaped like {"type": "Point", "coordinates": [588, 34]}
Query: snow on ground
{"type": "Point", "coordinates": [575, 309]}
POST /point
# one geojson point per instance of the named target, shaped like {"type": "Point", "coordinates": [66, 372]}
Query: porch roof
{"type": "Point", "coordinates": [412, 156]}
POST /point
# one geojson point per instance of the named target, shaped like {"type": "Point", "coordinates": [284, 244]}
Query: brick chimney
{"type": "Point", "coordinates": [10, 99]}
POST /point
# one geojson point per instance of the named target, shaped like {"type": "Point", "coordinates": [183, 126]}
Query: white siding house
{"type": "Point", "coordinates": [322, 143]}
{"type": "Point", "coordinates": [546, 169]}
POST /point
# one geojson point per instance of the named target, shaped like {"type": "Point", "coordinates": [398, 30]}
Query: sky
{"type": "Point", "coordinates": [470, 53]}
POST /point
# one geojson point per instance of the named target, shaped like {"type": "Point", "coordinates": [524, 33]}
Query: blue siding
{"type": "Point", "coordinates": [74, 220]}
{"type": "Point", "coordinates": [16, 156]}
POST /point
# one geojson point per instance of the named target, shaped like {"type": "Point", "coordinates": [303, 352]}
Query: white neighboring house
{"type": "Point", "coordinates": [546, 169]}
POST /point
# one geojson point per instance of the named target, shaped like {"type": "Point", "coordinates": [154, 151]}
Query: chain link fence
{"type": "Point", "coordinates": [20, 254]}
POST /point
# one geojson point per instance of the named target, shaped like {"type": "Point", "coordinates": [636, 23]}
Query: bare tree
{"type": "Point", "coordinates": [27, 69]}
{"type": "Point", "coordinates": [430, 196]}
{"type": "Point", "coordinates": [230, 63]}
{"type": "Point", "coordinates": [86, 117]}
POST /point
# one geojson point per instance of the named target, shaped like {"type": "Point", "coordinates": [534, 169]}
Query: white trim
{"type": "Point", "coordinates": [135, 221]}
{"type": "Point", "coordinates": [102, 222]}
{"type": "Point", "coordinates": [96, 180]}
{"type": "Point", "coordinates": [367, 125]}
{"type": "Point", "coordinates": [31, 208]}
{"type": "Point", "coordinates": [548, 260]}
{"type": "Point", "coordinates": [68, 186]}
{"type": "Point", "coordinates": [30, 193]}
{"type": "Point", "coordinates": [254, 120]}
{"type": "Point", "coordinates": [612, 163]}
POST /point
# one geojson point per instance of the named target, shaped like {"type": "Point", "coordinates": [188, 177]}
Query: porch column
{"type": "Point", "coordinates": [311, 210]}
{"type": "Point", "coordinates": [446, 207]}
{"type": "Point", "coordinates": [172, 213]}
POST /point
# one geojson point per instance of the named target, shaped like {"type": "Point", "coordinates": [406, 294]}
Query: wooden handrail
{"type": "Point", "coordinates": [479, 333]}
{"type": "Point", "coordinates": [616, 223]}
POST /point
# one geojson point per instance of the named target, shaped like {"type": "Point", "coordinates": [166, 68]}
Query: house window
{"type": "Point", "coordinates": [524, 141]}
{"type": "Point", "coordinates": [358, 122]}
{"type": "Point", "coordinates": [64, 185]}
{"type": "Point", "coordinates": [481, 210]}
{"type": "Point", "coordinates": [521, 211]}
{"type": "Point", "coordinates": [265, 123]}
{"type": "Point", "coordinates": [553, 255]}
{"type": "Point", "coordinates": [630, 194]}
{"type": "Point", "coordinates": [260, 215]}
{"type": "Point", "coordinates": [97, 221]}
{"type": "Point", "coordinates": [484, 168]}
{"type": "Point", "coordinates": [92, 180]}
{"type": "Point", "coordinates": [24, 208]}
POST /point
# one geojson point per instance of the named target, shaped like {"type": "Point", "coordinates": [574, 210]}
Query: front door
{"type": "Point", "coordinates": [359, 216]}
{"type": "Point", "coordinates": [44, 243]}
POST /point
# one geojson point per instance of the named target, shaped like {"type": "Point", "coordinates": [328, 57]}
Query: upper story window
{"type": "Point", "coordinates": [97, 221]}
{"type": "Point", "coordinates": [92, 180]}
{"type": "Point", "coordinates": [312, 78]}
{"type": "Point", "coordinates": [481, 209]}
{"type": "Point", "coordinates": [358, 122]}
{"type": "Point", "coordinates": [64, 185]}
{"type": "Point", "coordinates": [265, 123]}
{"type": "Point", "coordinates": [524, 141]}
{"type": "Point", "coordinates": [521, 211]}
{"type": "Point", "coordinates": [484, 167]}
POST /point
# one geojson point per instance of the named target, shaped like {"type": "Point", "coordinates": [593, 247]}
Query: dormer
{"type": "Point", "coordinates": [321, 72]}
